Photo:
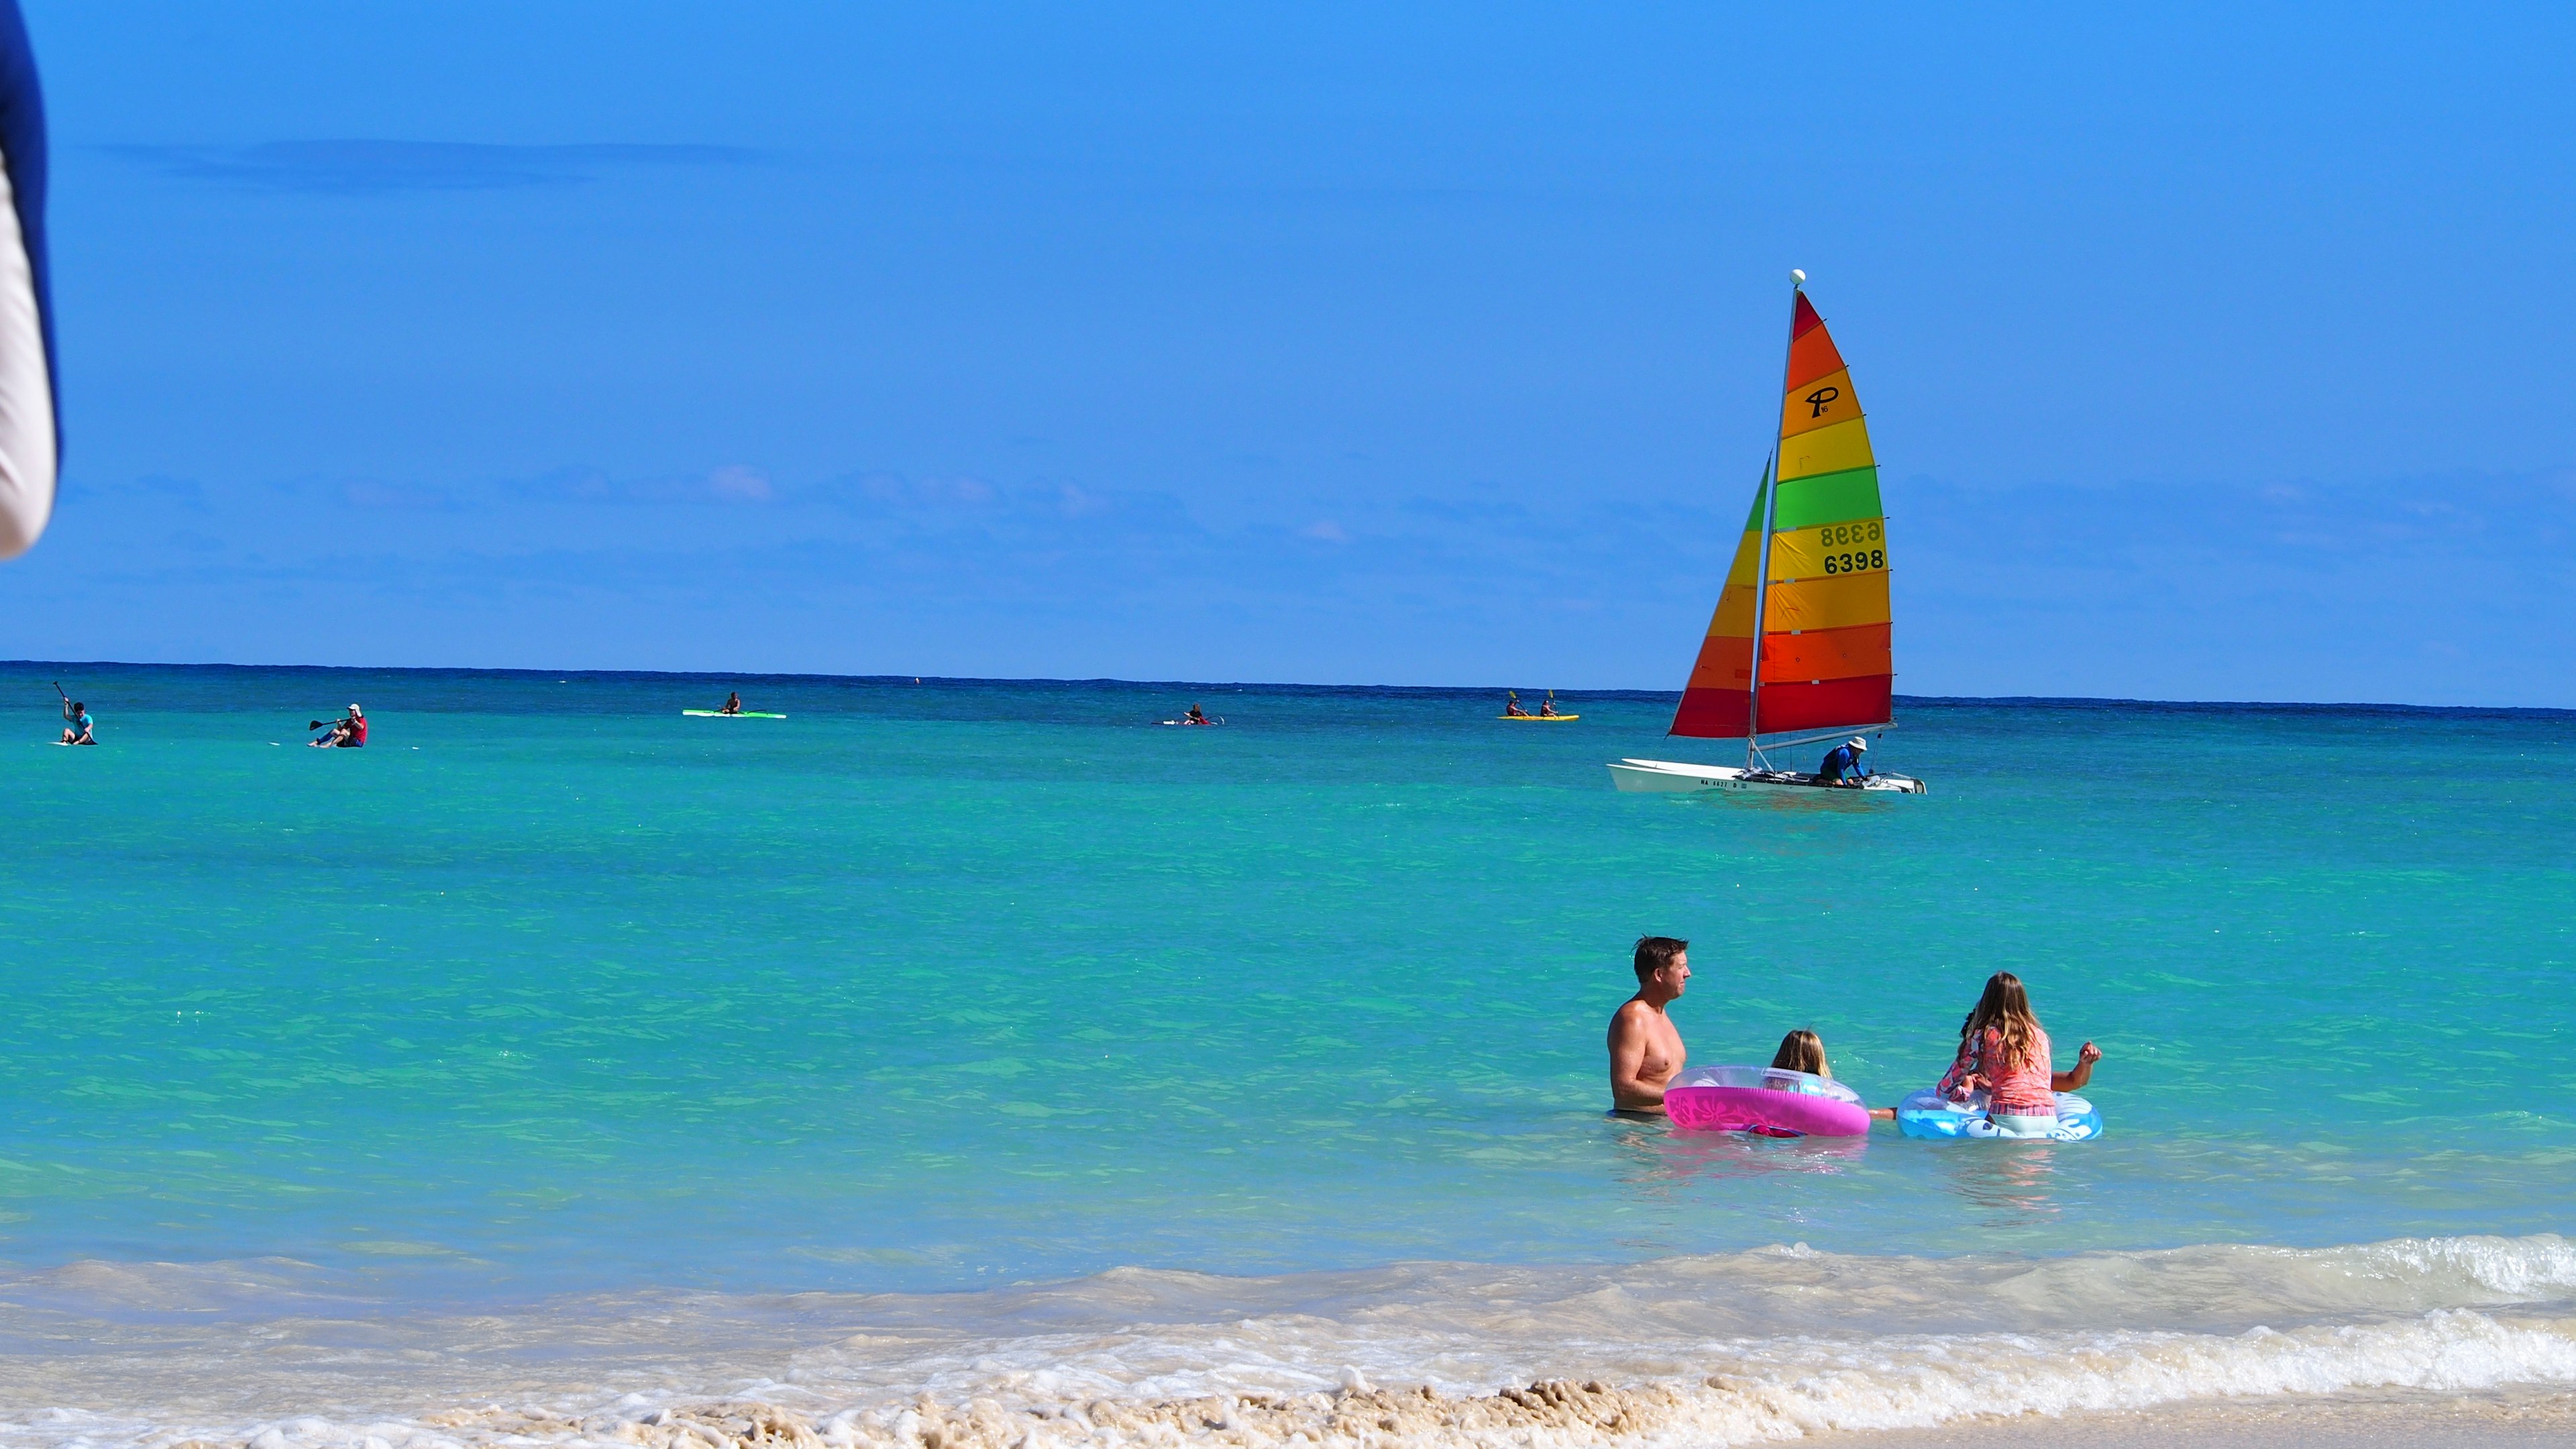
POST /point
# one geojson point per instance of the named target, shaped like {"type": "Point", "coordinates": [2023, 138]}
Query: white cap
{"type": "Point", "coordinates": [1857, 743]}
{"type": "Point", "coordinates": [353, 709]}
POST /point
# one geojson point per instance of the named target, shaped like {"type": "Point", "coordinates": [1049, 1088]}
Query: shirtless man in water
{"type": "Point", "coordinates": [1646, 1052]}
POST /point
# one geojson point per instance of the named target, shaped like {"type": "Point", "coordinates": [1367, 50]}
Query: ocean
{"type": "Point", "coordinates": [980, 1065]}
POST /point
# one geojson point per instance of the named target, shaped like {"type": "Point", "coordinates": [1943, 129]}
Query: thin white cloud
{"type": "Point", "coordinates": [741, 484]}
{"type": "Point", "coordinates": [352, 167]}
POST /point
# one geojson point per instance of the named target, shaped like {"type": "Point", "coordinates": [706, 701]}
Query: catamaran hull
{"type": "Point", "coordinates": [1668, 777]}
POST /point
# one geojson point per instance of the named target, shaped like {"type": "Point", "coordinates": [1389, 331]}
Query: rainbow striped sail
{"type": "Point", "coordinates": [1810, 576]}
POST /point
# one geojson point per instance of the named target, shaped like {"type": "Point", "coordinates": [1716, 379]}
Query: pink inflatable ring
{"type": "Point", "coordinates": [1771, 1101]}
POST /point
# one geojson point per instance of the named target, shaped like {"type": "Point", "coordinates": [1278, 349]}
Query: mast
{"type": "Point", "coordinates": [1761, 594]}
{"type": "Point", "coordinates": [1770, 513]}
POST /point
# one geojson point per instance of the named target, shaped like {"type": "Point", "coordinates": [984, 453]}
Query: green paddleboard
{"type": "Point", "coordinates": [740, 714]}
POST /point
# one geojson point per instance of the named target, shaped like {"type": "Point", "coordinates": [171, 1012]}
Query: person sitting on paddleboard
{"type": "Point", "coordinates": [1512, 705]}
{"type": "Point", "coordinates": [1194, 716]}
{"type": "Point", "coordinates": [347, 733]}
{"type": "Point", "coordinates": [1804, 1051]}
{"type": "Point", "coordinates": [79, 724]}
{"type": "Point", "coordinates": [2003, 1051]}
{"type": "Point", "coordinates": [1843, 764]}
{"type": "Point", "coordinates": [733, 703]}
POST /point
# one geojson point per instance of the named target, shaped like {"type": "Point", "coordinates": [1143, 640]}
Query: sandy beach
{"type": "Point", "coordinates": [2514, 1421]}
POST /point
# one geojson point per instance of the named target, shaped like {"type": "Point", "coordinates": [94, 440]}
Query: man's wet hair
{"type": "Point", "coordinates": [1654, 953]}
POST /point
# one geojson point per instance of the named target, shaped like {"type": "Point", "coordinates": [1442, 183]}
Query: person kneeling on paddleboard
{"type": "Point", "coordinates": [347, 733]}
{"type": "Point", "coordinates": [733, 703]}
{"type": "Point", "coordinates": [1843, 764]}
{"type": "Point", "coordinates": [79, 724]}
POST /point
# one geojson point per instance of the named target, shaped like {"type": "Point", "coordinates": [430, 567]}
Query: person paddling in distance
{"type": "Point", "coordinates": [1843, 764]}
{"type": "Point", "coordinates": [2004, 1053]}
{"type": "Point", "coordinates": [77, 725]}
{"type": "Point", "coordinates": [1194, 716]}
{"type": "Point", "coordinates": [1804, 1051]}
{"type": "Point", "coordinates": [1646, 1050]}
{"type": "Point", "coordinates": [1547, 706]}
{"type": "Point", "coordinates": [349, 732]}
{"type": "Point", "coordinates": [1512, 705]}
{"type": "Point", "coordinates": [733, 703]}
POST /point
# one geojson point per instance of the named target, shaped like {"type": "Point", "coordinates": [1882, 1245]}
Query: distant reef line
{"type": "Point", "coordinates": [703, 677]}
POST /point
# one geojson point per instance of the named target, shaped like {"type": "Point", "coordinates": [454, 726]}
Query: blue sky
{"type": "Point", "coordinates": [2210, 354]}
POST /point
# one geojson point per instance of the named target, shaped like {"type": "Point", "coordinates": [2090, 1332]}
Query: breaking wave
{"type": "Point", "coordinates": [1730, 1349]}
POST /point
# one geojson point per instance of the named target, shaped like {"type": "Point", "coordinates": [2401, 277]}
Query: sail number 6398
{"type": "Point", "coordinates": [1856, 539]}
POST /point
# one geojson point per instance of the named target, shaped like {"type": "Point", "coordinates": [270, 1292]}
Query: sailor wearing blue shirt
{"type": "Point", "coordinates": [1843, 764]}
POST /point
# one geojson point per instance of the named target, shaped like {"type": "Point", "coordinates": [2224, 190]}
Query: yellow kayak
{"type": "Point", "coordinates": [1540, 718]}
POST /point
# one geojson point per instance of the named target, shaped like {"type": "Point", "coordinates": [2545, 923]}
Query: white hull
{"type": "Point", "coordinates": [1670, 777]}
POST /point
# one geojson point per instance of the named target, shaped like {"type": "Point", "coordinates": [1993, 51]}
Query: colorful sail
{"type": "Point", "coordinates": [1718, 701]}
{"type": "Point", "coordinates": [1825, 662]}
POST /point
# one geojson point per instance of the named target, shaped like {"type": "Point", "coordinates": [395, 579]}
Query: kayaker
{"type": "Point", "coordinates": [1843, 764]}
{"type": "Point", "coordinates": [1512, 705]}
{"type": "Point", "coordinates": [347, 733]}
{"type": "Point", "coordinates": [1646, 1050]}
{"type": "Point", "coordinates": [1194, 716]}
{"type": "Point", "coordinates": [1547, 706]}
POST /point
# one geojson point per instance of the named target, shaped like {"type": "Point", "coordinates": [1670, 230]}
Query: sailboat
{"type": "Point", "coordinates": [1798, 649]}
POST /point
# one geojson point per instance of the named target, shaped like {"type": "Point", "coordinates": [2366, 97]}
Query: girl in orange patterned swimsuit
{"type": "Point", "coordinates": [2003, 1050]}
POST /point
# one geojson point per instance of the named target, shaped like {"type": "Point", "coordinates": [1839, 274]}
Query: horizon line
{"type": "Point", "coordinates": [1640, 695]}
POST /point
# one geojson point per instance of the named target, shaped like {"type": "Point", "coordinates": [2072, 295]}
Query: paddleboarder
{"type": "Point", "coordinates": [732, 704]}
{"type": "Point", "coordinates": [78, 727]}
{"type": "Point", "coordinates": [349, 732]}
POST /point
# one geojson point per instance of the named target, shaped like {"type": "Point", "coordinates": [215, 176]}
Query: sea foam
{"type": "Point", "coordinates": [1730, 1349]}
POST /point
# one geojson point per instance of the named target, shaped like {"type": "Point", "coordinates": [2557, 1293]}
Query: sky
{"type": "Point", "coordinates": [2211, 352]}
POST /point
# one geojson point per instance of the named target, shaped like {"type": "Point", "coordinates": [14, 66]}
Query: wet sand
{"type": "Point", "coordinates": [2499, 1422]}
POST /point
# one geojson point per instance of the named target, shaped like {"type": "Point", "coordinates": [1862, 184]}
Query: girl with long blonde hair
{"type": "Point", "coordinates": [1804, 1051]}
{"type": "Point", "coordinates": [2004, 1051]}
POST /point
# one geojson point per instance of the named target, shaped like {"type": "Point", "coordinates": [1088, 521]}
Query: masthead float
{"type": "Point", "coordinates": [30, 434]}
{"type": "Point", "coordinates": [1799, 644]}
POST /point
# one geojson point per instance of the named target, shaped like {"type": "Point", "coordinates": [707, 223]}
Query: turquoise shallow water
{"type": "Point", "coordinates": [553, 990]}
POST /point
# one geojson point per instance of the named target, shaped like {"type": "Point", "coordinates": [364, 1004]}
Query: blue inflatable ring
{"type": "Point", "coordinates": [1928, 1114]}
